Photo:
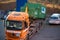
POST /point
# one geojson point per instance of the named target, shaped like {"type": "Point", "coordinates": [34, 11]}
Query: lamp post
{"type": "Point", "coordinates": [19, 4]}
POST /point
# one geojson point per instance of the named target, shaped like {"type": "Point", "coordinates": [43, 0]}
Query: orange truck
{"type": "Point", "coordinates": [18, 26]}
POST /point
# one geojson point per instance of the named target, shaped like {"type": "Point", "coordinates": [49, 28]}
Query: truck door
{"type": "Point", "coordinates": [25, 30]}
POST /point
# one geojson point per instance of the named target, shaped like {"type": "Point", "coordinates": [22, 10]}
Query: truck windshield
{"type": "Point", "coordinates": [13, 25]}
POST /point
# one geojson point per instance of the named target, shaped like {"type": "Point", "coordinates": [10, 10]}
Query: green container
{"type": "Point", "coordinates": [35, 10]}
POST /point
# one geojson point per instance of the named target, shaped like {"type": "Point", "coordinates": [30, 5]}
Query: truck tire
{"type": "Point", "coordinates": [38, 26]}
{"type": "Point", "coordinates": [27, 37]}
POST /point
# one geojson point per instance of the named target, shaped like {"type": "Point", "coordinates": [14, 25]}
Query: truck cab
{"type": "Point", "coordinates": [17, 26]}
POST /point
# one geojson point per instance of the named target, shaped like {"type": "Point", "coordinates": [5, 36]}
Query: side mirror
{"type": "Point", "coordinates": [4, 17]}
{"type": "Point", "coordinates": [3, 14]}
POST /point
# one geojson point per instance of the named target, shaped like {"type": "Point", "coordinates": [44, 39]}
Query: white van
{"type": "Point", "coordinates": [54, 19]}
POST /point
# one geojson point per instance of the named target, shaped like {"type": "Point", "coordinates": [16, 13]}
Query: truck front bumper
{"type": "Point", "coordinates": [14, 39]}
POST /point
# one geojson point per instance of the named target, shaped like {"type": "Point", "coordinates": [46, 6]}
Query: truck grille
{"type": "Point", "coordinates": [12, 35]}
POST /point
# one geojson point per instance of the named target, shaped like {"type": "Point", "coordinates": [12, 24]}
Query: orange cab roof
{"type": "Point", "coordinates": [17, 16]}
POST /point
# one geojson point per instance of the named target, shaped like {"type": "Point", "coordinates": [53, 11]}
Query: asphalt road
{"type": "Point", "coordinates": [48, 32]}
{"type": "Point", "coordinates": [2, 31]}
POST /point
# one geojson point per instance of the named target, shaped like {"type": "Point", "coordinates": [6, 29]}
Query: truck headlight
{"type": "Point", "coordinates": [18, 34]}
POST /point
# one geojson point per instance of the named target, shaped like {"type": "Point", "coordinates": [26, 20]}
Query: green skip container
{"type": "Point", "coordinates": [35, 10]}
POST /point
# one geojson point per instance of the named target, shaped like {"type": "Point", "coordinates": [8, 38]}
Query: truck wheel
{"type": "Point", "coordinates": [37, 29]}
{"type": "Point", "coordinates": [27, 37]}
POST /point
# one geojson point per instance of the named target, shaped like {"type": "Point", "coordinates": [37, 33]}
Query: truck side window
{"type": "Point", "coordinates": [26, 25]}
